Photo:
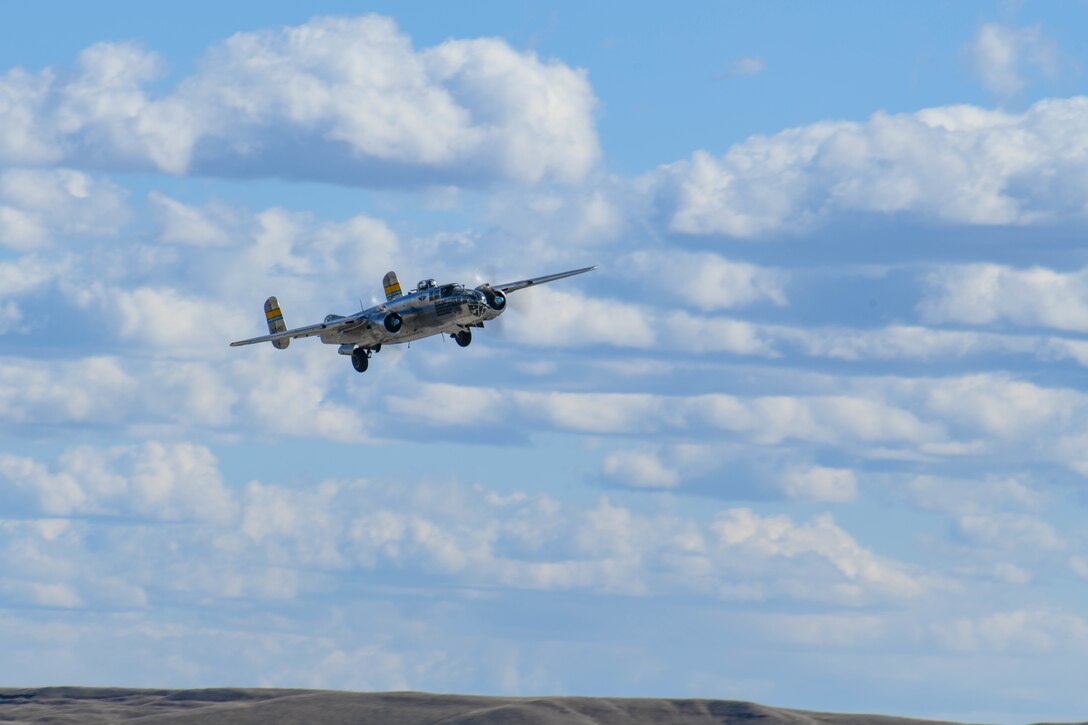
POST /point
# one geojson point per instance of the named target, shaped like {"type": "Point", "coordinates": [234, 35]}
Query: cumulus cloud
{"type": "Point", "coordinates": [1006, 58]}
{"type": "Point", "coordinates": [551, 317]}
{"type": "Point", "coordinates": [728, 473]}
{"type": "Point", "coordinates": [1032, 631]}
{"type": "Point", "coordinates": [533, 542]}
{"type": "Point", "coordinates": [968, 496]}
{"type": "Point", "coordinates": [1002, 407]}
{"type": "Point", "coordinates": [1016, 532]}
{"type": "Point", "coordinates": [164, 481]}
{"type": "Point", "coordinates": [558, 317]}
{"type": "Point", "coordinates": [699, 334]}
{"type": "Point", "coordinates": [169, 321]}
{"type": "Point", "coordinates": [186, 224]}
{"type": "Point", "coordinates": [771, 419]}
{"type": "Point", "coordinates": [819, 542]}
{"type": "Point", "coordinates": [985, 294]}
{"type": "Point", "coordinates": [37, 205]}
{"type": "Point", "coordinates": [25, 275]}
{"type": "Point", "coordinates": [820, 483]}
{"type": "Point", "coordinates": [707, 281]}
{"type": "Point", "coordinates": [955, 164]}
{"type": "Point", "coordinates": [823, 630]}
{"type": "Point", "coordinates": [298, 397]}
{"type": "Point", "coordinates": [95, 389]}
{"type": "Point", "coordinates": [348, 100]}
{"type": "Point", "coordinates": [642, 469]}
{"type": "Point", "coordinates": [973, 419]}
{"type": "Point", "coordinates": [471, 534]}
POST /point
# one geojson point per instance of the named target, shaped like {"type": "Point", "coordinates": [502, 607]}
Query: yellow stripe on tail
{"type": "Point", "coordinates": [392, 286]}
{"type": "Point", "coordinates": [274, 315]}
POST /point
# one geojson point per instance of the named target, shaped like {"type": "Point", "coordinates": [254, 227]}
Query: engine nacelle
{"type": "Point", "coordinates": [392, 323]}
{"type": "Point", "coordinates": [496, 299]}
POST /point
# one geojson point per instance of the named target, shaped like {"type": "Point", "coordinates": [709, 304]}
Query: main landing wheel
{"type": "Point", "coordinates": [464, 337]}
{"type": "Point", "coordinates": [360, 360]}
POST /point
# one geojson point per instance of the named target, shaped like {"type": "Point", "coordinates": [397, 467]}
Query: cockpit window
{"type": "Point", "coordinates": [450, 290]}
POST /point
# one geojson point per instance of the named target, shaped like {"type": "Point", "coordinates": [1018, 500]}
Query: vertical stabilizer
{"type": "Point", "coordinates": [274, 315]}
{"type": "Point", "coordinates": [392, 286]}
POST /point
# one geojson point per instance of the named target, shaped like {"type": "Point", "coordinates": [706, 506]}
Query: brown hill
{"type": "Point", "coordinates": [89, 705]}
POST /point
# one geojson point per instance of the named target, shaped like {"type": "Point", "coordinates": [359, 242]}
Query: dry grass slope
{"type": "Point", "coordinates": [90, 706]}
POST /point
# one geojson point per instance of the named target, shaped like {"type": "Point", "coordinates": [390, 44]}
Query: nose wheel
{"type": "Point", "coordinates": [463, 338]}
{"type": "Point", "coordinates": [360, 359]}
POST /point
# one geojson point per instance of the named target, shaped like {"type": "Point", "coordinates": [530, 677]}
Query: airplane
{"type": "Point", "coordinates": [429, 309]}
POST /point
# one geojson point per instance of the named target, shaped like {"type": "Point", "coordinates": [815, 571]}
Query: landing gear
{"type": "Point", "coordinates": [360, 359]}
{"type": "Point", "coordinates": [463, 338]}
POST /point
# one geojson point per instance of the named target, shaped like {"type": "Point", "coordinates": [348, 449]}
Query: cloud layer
{"type": "Point", "coordinates": [960, 165]}
{"type": "Point", "coordinates": [344, 100]}
{"type": "Point", "coordinates": [846, 456]}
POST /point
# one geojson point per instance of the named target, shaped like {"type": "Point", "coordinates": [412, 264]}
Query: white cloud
{"type": "Point", "coordinates": [828, 419]}
{"type": "Point", "coordinates": [95, 389]}
{"type": "Point", "coordinates": [299, 396]}
{"type": "Point", "coordinates": [985, 294]}
{"type": "Point", "coordinates": [21, 231]}
{"type": "Point", "coordinates": [450, 404]}
{"type": "Point", "coordinates": [954, 164]}
{"type": "Point", "coordinates": [765, 540]}
{"type": "Point", "coordinates": [169, 482]}
{"type": "Point", "coordinates": [769, 420]}
{"type": "Point", "coordinates": [37, 205]}
{"type": "Point", "coordinates": [1010, 573]}
{"type": "Point", "coordinates": [344, 99]}
{"type": "Point", "coordinates": [824, 630]}
{"type": "Point", "coordinates": [298, 399]}
{"type": "Point", "coordinates": [167, 320]}
{"type": "Point", "coordinates": [10, 316]}
{"type": "Point", "coordinates": [362, 248]}
{"type": "Point", "coordinates": [23, 97]}
{"type": "Point", "coordinates": [715, 334]}
{"type": "Point", "coordinates": [667, 466]}
{"type": "Point", "coordinates": [1004, 58]}
{"type": "Point", "coordinates": [706, 280]}
{"type": "Point", "coordinates": [968, 496]}
{"type": "Point", "coordinates": [27, 274]}
{"type": "Point", "coordinates": [901, 342]}
{"type": "Point", "coordinates": [533, 542]}
{"type": "Point", "coordinates": [999, 406]}
{"type": "Point", "coordinates": [555, 317]}
{"type": "Point", "coordinates": [1016, 532]}
{"type": "Point", "coordinates": [819, 483]}
{"type": "Point", "coordinates": [547, 317]}
{"type": "Point", "coordinates": [185, 224]}
{"type": "Point", "coordinates": [642, 469]}
{"type": "Point", "coordinates": [269, 540]}
{"type": "Point", "coordinates": [598, 412]}
{"type": "Point", "coordinates": [1079, 566]}
{"type": "Point", "coordinates": [1020, 631]}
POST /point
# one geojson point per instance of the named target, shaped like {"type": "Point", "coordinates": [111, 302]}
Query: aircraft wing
{"type": "Point", "coordinates": [522, 284]}
{"type": "Point", "coordinates": [344, 323]}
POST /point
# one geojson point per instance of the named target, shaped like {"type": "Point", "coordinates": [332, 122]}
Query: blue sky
{"type": "Point", "coordinates": [815, 434]}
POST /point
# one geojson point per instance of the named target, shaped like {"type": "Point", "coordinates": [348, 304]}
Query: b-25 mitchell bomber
{"type": "Point", "coordinates": [429, 309]}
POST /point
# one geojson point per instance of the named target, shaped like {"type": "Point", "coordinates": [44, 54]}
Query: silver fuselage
{"type": "Point", "coordinates": [441, 309]}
